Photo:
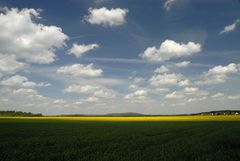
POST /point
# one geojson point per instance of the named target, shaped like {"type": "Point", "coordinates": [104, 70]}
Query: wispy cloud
{"type": "Point", "coordinates": [231, 27]}
{"type": "Point", "coordinates": [119, 60]}
{"type": "Point", "coordinates": [169, 3]}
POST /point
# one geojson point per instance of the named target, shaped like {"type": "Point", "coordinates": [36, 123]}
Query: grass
{"type": "Point", "coordinates": [120, 139]}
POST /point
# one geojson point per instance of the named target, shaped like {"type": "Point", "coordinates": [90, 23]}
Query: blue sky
{"type": "Point", "coordinates": [101, 56]}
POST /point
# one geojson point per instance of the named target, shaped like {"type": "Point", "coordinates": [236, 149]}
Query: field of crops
{"type": "Point", "coordinates": [134, 118]}
{"type": "Point", "coordinates": [185, 138]}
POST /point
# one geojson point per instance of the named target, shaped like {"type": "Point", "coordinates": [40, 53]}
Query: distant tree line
{"type": "Point", "coordinates": [222, 112]}
{"type": "Point", "coordinates": [18, 113]}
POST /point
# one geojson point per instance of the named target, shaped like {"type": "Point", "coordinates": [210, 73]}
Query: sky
{"type": "Point", "coordinates": [107, 56]}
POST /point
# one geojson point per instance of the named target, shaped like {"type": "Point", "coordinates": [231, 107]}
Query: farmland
{"type": "Point", "coordinates": [168, 138]}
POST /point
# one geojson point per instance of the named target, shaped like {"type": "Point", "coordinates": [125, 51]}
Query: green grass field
{"type": "Point", "coordinates": [78, 140]}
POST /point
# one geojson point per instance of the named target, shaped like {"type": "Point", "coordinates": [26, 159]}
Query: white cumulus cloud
{"type": "Point", "coordinates": [219, 74]}
{"type": "Point", "coordinates": [137, 96]}
{"type": "Point", "coordinates": [9, 64]}
{"type": "Point", "coordinates": [218, 95]}
{"type": "Point", "coordinates": [184, 83]}
{"type": "Point", "coordinates": [229, 69]}
{"type": "Point", "coordinates": [170, 49]}
{"type": "Point", "coordinates": [106, 17]}
{"type": "Point", "coordinates": [22, 82]}
{"type": "Point", "coordinates": [79, 49]}
{"type": "Point", "coordinates": [190, 89]}
{"type": "Point", "coordinates": [21, 36]}
{"type": "Point", "coordinates": [173, 95]}
{"type": "Point", "coordinates": [80, 70]}
{"type": "Point", "coordinates": [85, 89]}
{"type": "Point", "coordinates": [234, 97]}
{"type": "Point", "coordinates": [18, 81]}
{"type": "Point", "coordinates": [162, 69]}
{"type": "Point", "coordinates": [165, 79]}
{"type": "Point", "coordinates": [95, 93]}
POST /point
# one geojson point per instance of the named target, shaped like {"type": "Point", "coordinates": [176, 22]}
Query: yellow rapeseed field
{"type": "Point", "coordinates": [136, 118]}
